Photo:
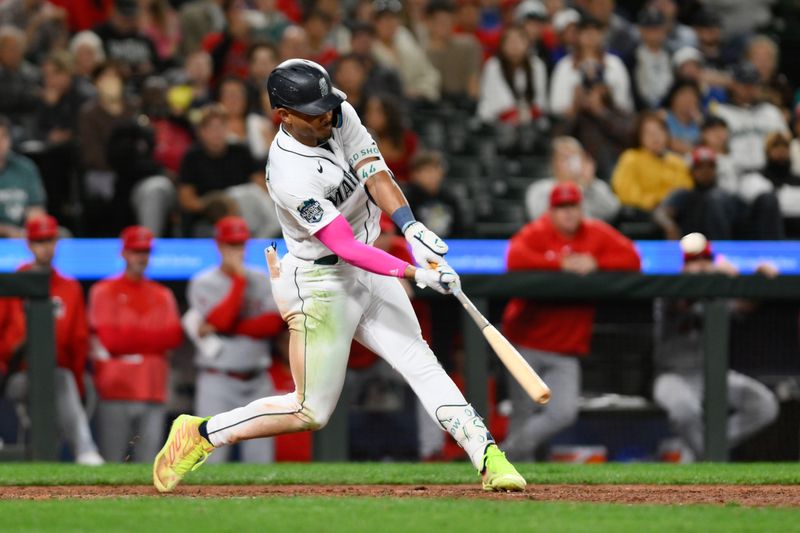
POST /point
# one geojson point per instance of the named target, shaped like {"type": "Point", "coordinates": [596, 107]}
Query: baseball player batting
{"type": "Point", "coordinates": [330, 184]}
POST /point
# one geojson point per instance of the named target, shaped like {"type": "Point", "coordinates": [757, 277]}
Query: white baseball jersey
{"type": "Point", "coordinates": [312, 186]}
{"type": "Point", "coordinates": [327, 305]}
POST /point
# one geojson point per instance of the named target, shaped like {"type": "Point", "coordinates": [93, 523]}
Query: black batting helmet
{"type": "Point", "coordinates": [303, 86]}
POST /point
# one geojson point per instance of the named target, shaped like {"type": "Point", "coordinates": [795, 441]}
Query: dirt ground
{"type": "Point", "coordinates": [749, 496]}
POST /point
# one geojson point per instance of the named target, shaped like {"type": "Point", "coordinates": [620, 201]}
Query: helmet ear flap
{"type": "Point", "coordinates": [337, 119]}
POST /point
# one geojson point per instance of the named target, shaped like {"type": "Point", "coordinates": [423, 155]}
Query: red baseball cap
{"type": "Point", "coordinates": [137, 239]}
{"type": "Point", "coordinates": [41, 228]}
{"type": "Point", "coordinates": [703, 154]}
{"type": "Point", "coordinates": [231, 230]}
{"type": "Point", "coordinates": [566, 193]}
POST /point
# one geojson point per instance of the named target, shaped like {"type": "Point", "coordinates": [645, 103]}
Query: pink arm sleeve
{"type": "Point", "coordinates": [339, 237]}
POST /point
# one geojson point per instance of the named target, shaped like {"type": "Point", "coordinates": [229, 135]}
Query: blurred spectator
{"type": "Point", "coordinates": [159, 23]}
{"type": "Point", "coordinates": [383, 117]}
{"type": "Point", "coordinates": [763, 53]}
{"type": "Point", "coordinates": [587, 66]}
{"type": "Point", "coordinates": [244, 127]}
{"type": "Point", "coordinates": [651, 65]}
{"type": "Point", "coordinates": [533, 17]}
{"type": "Point", "coordinates": [457, 57]}
{"type": "Point", "coordinates": [416, 19]}
{"type": "Point", "coordinates": [165, 108]}
{"type": "Point", "coordinates": [228, 47]}
{"type": "Point", "coordinates": [88, 54]}
{"type": "Point", "coordinates": [794, 146]}
{"type": "Point", "coordinates": [776, 179]}
{"type": "Point", "coordinates": [749, 120]}
{"type": "Point", "coordinates": [646, 174]}
{"type": "Point", "coordinates": [267, 22]}
{"type": "Point", "coordinates": [513, 83]}
{"type": "Point", "coordinates": [126, 45]}
{"type": "Point", "coordinates": [740, 17]}
{"type": "Point", "coordinates": [350, 75]}
{"type": "Point", "coordinates": [262, 58]}
{"type": "Point", "coordinates": [338, 34]}
{"type": "Point", "coordinates": [44, 23]}
{"type": "Point", "coordinates": [198, 70]}
{"type": "Point", "coordinates": [198, 19]}
{"type": "Point", "coordinates": [469, 18]}
{"type": "Point", "coordinates": [121, 180]}
{"type": "Point", "coordinates": [714, 134]}
{"type": "Point", "coordinates": [134, 324]}
{"type": "Point", "coordinates": [380, 79]}
{"type": "Point", "coordinates": [55, 128]}
{"type": "Point", "coordinates": [218, 178]}
{"type": "Point", "coordinates": [619, 35]}
{"type": "Point", "coordinates": [708, 27]}
{"type": "Point", "coordinates": [72, 344]}
{"type": "Point", "coordinates": [572, 165]}
{"type": "Point", "coordinates": [22, 194]}
{"type": "Point", "coordinates": [84, 15]}
{"type": "Point", "coordinates": [553, 336]}
{"type": "Point", "coordinates": [706, 208]}
{"type": "Point", "coordinates": [678, 35]}
{"type": "Point", "coordinates": [234, 302]}
{"type": "Point", "coordinates": [565, 24]}
{"type": "Point", "coordinates": [294, 44]}
{"type": "Point", "coordinates": [318, 25]}
{"type": "Point", "coordinates": [688, 67]}
{"type": "Point", "coordinates": [684, 116]}
{"type": "Point", "coordinates": [19, 91]}
{"type": "Point", "coordinates": [679, 356]}
{"type": "Point", "coordinates": [432, 204]}
{"type": "Point", "coordinates": [396, 48]}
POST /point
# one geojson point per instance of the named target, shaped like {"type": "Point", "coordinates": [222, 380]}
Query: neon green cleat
{"type": "Point", "coordinates": [185, 450]}
{"type": "Point", "coordinates": [498, 474]}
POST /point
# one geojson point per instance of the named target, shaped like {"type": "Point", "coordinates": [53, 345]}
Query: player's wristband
{"type": "Point", "coordinates": [403, 217]}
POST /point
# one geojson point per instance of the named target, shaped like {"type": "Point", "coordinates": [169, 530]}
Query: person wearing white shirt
{"type": "Point", "coordinates": [513, 83]}
{"type": "Point", "coordinates": [587, 65]}
{"type": "Point", "coordinates": [572, 164]}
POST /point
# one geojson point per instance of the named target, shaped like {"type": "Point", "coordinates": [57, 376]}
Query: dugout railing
{"type": "Point", "coordinates": [42, 442]}
{"type": "Point", "coordinates": [608, 286]}
{"type": "Point", "coordinates": [331, 444]}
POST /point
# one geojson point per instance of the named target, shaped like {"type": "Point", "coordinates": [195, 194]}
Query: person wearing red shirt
{"type": "Point", "coordinates": [552, 336]}
{"type": "Point", "coordinates": [134, 323]}
{"type": "Point", "coordinates": [12, 331]}
{"type": "Point", "coordinates": [72, 342]}
{"type": "Point", "coordinates": [237, 306]}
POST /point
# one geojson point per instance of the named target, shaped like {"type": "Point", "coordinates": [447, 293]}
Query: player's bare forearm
{"type": "Point", "coordinates": [386, 192]}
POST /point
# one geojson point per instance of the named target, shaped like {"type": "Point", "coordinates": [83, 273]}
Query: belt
{"type": "Point", "coordinates": [327, 260]}
{"type": "Point", "coordinates": [241, 376]}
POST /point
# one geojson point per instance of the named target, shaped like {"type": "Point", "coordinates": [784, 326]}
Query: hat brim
{"type": "Point", "coordinates": [323, 105]}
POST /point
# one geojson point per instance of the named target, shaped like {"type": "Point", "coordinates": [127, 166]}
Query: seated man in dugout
{"type": "Point", "coordinates": [679, 355]}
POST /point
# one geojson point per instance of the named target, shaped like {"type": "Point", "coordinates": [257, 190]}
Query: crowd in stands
{"type": "Point", "coordinates": [153, 111]}
{"type": "Point", "coordinates": [661, 119]}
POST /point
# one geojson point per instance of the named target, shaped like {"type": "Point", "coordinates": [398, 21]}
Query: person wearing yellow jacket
{"type": "Point", "coordinates": [645, 175]}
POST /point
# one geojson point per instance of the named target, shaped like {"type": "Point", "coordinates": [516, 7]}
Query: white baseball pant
{"type": "Point", "coordinates": [325, 307]}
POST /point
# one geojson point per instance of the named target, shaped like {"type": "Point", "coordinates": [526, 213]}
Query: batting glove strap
{"type": "Point", "coordinates": [426, 246]}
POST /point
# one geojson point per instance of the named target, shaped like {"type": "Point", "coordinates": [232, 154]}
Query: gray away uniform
{"type": "Point", "coordinates": [678, 389]}
{"type": "Point", "coordinates": [237, 376]}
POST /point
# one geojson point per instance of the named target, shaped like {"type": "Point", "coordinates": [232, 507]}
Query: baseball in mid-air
{"type": "Point", "coordinates": [693, 243]}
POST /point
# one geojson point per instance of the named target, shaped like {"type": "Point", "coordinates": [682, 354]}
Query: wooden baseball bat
{"type": "Point", "coordinates": [511, 358]}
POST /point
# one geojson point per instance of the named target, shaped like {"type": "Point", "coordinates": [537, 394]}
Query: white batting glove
{"type": "Point", "coordinates": [442, 279]}
{"type": "Point", "coordinates": [426, 246]}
